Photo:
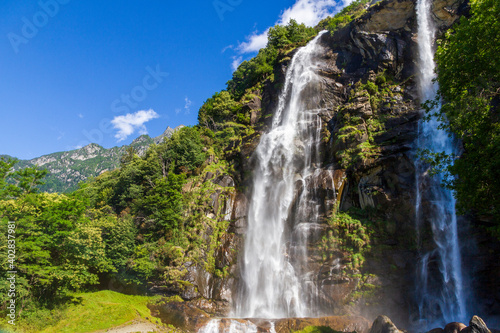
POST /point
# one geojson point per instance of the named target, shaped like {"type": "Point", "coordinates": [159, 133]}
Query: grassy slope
{"type": "Point", "coordinates": [89, 312]}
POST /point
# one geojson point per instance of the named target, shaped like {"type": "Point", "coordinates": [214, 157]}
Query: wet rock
{"type": "Point", "coordinates": [454, 327]}
{"type": "Point", "coordinates": [182, 315]}
{"type": "Point", "coordinates": [337, 323]}
{"type": "Point", "coordinates": [436, 330]}
{"type": "Point", "coordinates": [476, 325]}
{"type": "Point", "coordinates": [224, 181]}
{"type": "Point", "coordinates": [384, 325]}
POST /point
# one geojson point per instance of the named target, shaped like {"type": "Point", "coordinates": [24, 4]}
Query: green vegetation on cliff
{"type": "Point", "coordinates": [345, 16]}
{"type": "Point", "coordinates": [469, 80]}
{"type": "Point", "coordinates": [256, 70]}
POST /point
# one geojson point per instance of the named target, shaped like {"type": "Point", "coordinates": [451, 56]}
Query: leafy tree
{"type": "Point", "coordinates": [344, 17]}
{"type": "Point", "coordinates": [6, 166]}
{"type": "Point", "coordinates": [469, 80]}
{"type": "Point", "coordinates": [257, 69]}
{"type": "Point", "coordinates": [29, 179]}
{"type": "Point", "coordinates": [281, 36]}
{"type": "Point", "coordinates": [58, 247]}
{"type": "Point", "coordinates": [185, 150]}
{"type": "Point", "coordinates": [217, 109]}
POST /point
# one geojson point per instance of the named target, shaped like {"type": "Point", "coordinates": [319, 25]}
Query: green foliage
{"type": "Point", "coordinates": [26, 180]}
{"type": "Point", "coordinates": [344, 17]}
{"type": "Point", "coordinates": [6, 189]}
{"type": "Point", "coordinates": [357, 126]}
{"type": "Point", "coordinates": [257, 69]}
{"type": "Point", "coordinates": [348, 234]}
{"type": "Point", "coordinates": [87, 312]}
{"type": "Point", "coordinates": [185, 149]}
{"type": "Point", "coordinates": [219, 108]}
{"type": "Point", "coordinates": [469, 80]}
{"type": "Point", "coordinates": [281, 36]}
{"type": "Point", "coordinates": [59, 247]}
{"type": "Point", "coordinates": [250, 72]}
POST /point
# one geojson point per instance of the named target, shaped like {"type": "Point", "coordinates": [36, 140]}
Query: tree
{"type": "Point", "coordinates": [219, 108]}
{"type": "Point", "coordinates": [6, 166]}
{"type": "Point", "coordinates": [185, 148]}
{"type": "Point", "coordinates": [469, 79]}
{"type": "Point", "coordinates": [28, 179]}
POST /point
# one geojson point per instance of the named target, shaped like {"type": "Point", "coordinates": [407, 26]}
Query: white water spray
{"type": "Point", "coordinates": [273, 287]}
{"type": "Point", "coordinates": [440, 293]}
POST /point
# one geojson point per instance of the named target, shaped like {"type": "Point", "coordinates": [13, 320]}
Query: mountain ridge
{"type": "Point", "coordinates": [68, 168]}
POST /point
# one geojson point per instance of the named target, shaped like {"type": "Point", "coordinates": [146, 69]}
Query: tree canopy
{"type": "Point", "coordinates": [469, 80]}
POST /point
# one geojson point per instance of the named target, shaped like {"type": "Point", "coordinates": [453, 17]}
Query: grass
{"type": "Point", "coordinates": [88, 312]}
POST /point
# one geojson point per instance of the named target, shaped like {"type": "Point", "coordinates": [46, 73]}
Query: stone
{"type": "Point", "coordinates": [224, 181]}
{"type": "Point", "coordinates": [337, 323]}
{"type": "Point", "coordinates": [180, 314]}
{"type": "Point", "coordinates": [384, 325]}
{"type": "Point", "coordinates": [454, 327]}
{"type": "Point", "coordinates": [436, 330]}
{"type": "Point", "coordinates": [477, 325]}
{"type": "Point", "coordinates": [392, 15]}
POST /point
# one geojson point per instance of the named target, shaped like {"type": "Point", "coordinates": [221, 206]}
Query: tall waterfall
{"type": "Point", "coordinates": [281, 204]}
{"type": "Point", "coordinates": [440, 294]}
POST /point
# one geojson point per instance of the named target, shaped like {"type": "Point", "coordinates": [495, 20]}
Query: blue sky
{"type": "Point", "coordinates": [74, 72]}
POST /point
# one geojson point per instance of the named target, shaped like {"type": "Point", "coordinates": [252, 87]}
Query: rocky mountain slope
{"type": "Point", "coordinates": [67, 169]}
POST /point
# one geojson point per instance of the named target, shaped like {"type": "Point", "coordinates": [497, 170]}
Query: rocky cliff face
{"type": "Point", "coordinates": [369, 107]}
{"type": "Point", "coordinates": [68, 169]}
{"type": "Point", "coordinates": [370, 110]}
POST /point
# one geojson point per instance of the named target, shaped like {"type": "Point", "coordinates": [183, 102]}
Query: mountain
{"type": "Point", "coordinates": [67, 169]}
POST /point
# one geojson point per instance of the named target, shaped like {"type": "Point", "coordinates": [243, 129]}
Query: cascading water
{"type": "Point", "coordinates": [440, 294]}
{"type": "Point", "coordinates": [284, 208]}
{"type": "Point", "coordinates": [273, 287]}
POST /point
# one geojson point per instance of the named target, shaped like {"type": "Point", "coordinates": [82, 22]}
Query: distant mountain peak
{"type": "Point", "coordinates": [68, 168]}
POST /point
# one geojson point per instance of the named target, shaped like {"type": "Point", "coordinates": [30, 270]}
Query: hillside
{"type": "Point", "coordinates": [67, 169]}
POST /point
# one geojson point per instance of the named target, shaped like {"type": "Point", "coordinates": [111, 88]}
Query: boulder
{"type": "Point", "coordinates": [436, 330]}
{"type": "Point", "coordinates": [476, 325]}
{"type": "Point", "coordinates": [180, 314]}
{"type": "Point", "coordinates": [384, 325]}
{"type": "Point", "coordinates": [337, 323]}
{"type": "Point", "coordinates": [454, 327]}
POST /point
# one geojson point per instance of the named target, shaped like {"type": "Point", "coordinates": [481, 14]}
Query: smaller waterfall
{"type": "Point", "coordinates": [440, 293]}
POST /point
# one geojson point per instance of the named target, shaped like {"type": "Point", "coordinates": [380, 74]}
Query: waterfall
{"type": "Point", "coordinates": [439, 285]}
{"type": "Point", "coordinates": [282, 204]}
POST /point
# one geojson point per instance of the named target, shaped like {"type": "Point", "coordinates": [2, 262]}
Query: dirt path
{"type": "Point", "coordinates": [135, 327]}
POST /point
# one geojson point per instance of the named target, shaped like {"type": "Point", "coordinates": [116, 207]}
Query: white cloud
{"type": "Point", "coordinates": [187, 106]}
{"type": "Point", "coordinates": [80, 116]}
{"type": "Point", "coordinates": [236, 62]}
{"type": "Point", "coordinates": [129, 123]}
{"type": "Point", "coordinates": [227, 48]}
{"type": "Point", "coordinates": [255, 42]}
{"type": "Point", "coordinates": [309, 12]}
